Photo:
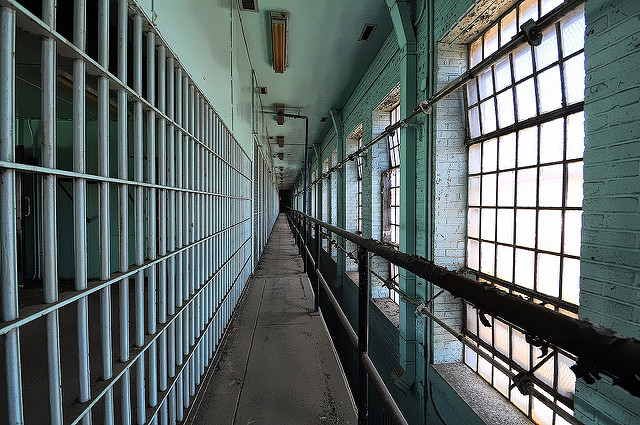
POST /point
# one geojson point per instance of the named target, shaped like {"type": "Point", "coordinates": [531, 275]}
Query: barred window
{"type": "Point", "coordinates": [393, 176]}
{"type": "Point", "coordinates": [525, 128]}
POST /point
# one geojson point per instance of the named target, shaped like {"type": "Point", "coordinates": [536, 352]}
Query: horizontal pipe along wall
{"type": "Point", "coordinates": [139, 218]}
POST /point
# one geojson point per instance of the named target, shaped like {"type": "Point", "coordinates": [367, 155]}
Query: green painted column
{"type": "Point", "coordinates": [341, 201]}
{"type": "Point", "coordinates": [403, 27]}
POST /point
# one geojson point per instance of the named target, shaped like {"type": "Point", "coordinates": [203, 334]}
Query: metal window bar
{"type": "Point", "coordinates": [186, 168]}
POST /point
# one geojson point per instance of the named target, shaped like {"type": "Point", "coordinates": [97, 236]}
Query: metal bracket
{"type": "Point", "coordinates": [524, 383]}
{"type": "Point", "coordinates": [531, 33]}
{"type": "Point", "coordinates": [425, 107]}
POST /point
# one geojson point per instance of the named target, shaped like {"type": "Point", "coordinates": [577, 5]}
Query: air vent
{"type": "Point", "coordinates": [367, 32]}
{"type": "Point", "coordinates": [249, 5]}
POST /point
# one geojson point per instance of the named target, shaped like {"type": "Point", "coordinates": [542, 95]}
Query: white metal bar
{"type": "Point", "coordinates": [80, 203]}
{"type": "Point", "coordinates": [8, 252]}
{"type": "Point", "coordinates": [123, 213]}
{"type": "Point", "coordinates": [104, 225]}
{"type": "Point", "coordinates": [49, 210]}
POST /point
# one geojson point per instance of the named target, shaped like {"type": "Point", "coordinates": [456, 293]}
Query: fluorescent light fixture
{"type": "Point", "coordinates": [280, 109]}
{"type": "Point", "coordinates": [279, 41]}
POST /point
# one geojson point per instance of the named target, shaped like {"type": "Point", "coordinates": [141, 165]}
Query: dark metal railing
{"type": "Point", "coordinates": [366, 369]}
{"type": "Point", "coordinates": [598, 350]}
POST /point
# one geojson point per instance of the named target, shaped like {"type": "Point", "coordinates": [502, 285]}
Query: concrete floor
{"type": "Point", "coordinates": [278, 365]}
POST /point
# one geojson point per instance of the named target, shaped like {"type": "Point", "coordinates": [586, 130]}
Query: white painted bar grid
{"type": "Point", "coordinates": [195, 223]}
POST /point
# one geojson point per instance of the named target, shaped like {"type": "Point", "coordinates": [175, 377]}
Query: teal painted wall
{"type": "Point", "coordinates": [610, 266]}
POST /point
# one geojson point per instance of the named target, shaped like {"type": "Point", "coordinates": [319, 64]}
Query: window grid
{"type": "Point", "coordinates": [394, 140]}
{"type": "Point", "coordinates": [526, 140]}
{"type": "Point", "coordinates": [394, 205]}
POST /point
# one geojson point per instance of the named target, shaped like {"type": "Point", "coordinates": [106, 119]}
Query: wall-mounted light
{"type": "Point", "coordinates": [281, 141]}
{"type": "Point", "coordinates": [279, 41]}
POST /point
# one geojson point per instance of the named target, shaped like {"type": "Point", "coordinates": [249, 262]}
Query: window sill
{"type": "Point", "coordinates": [485, 401]}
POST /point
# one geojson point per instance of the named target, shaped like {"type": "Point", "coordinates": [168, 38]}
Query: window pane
{"type": "Point", "coordinates": [545, 372]}
{"type": "Point", "coordinates": [522, 62]}
{"type": "Point", "coordinates": [526, 100]}
{"type": "Point", "coordinates": [474, 122]}
{"type": "Point", "coordinates": [473, 222]}
{"type": "Point", "coordinates": [548, 274]}
{"type": "Point", "coordinates": [575, 135]}
{"type": "Point", "coordinates": [550, 186]}
{"type": "Point", "coordinates": [528, 147]}
{"type": "Point", "coordinates": [552, 141]}
{"type": "Point", "coordinates": [472, 92]}
{"type": "Point", "coordinates": [509, 28]}
{"type": "Point", "coordinates": [488, 111]}
{"type": "Point", "coordinates": [507, 152]}
{"type": "Point", "coordinates": [501, 336]}
{"type": "Point", "coordinates": [484, 332]}
{"type": "Point", "coordinates": [521, 351]}
{"type": "Point", "coordinates": [470, 358]}
{"type": "Point", "coordinates": [549, 5]}
{"type": "Point", "coordinates": [475, 158]}
{"type": "Point", "coordinates": [572, 30]}
{"type": "Point", "coordinates": [525, 260]}
{"type": "Point", "coordinates": [574, 75]}
{"type": "Point", "coordinates": [491, 41]}
{"type": "Point", "coordinates": [503, 73]}
{"type": "Point", "coordinates": [473, 254]}
{"type": "Point", "coordinates": [526, 187]}
{"type": "Point", "coordinates": [475, 52]}
{"type": "Point", "coordinates": [566, 377]}
{"type": "Point", "coordinates": [489, 190]}
{"type": "Point", "coordinates": [572, 230]}
{"type": "Point", "coordinates": [520, 401]}
{"type": "Point", "coordinates": [485, 83]}
{"type": "Point", "coordinates": [489, 155]}
{"type": "Point", "coordinates": [525, 228]}
{"type": "Point", "coordinates": [487, 257]}
{"type": "Point", "coordinates": [574, 185]}
{"type": "Point", "coordinates": [484, 367]}
{"type": "Point", "coordinates": [550, 90]}
{"type": "Point", "coordinates": [472, 320]}
{"type": "Point", "coordinates": [506, 188]}
{"type": "Point", "coordinates": [488, 224]}
{"type": "Point", "coordinates": [501, 381]}
{"type": "Point", "coordinates": [547, 52]}
{"type": "Point", "coordinates": [571, 280]}
{"type": "Point", "coordinates": [540, 413]}
{"type": "Point", "coordinates": [506, 114]}
{"type": "Point", "coordinates": [504, 222]}
{"type": "Point", "coordinates": [474, 191]}
{"type": "Point", "coordinates": [528, 10]}
{"type": "Point", "coordinates": [549, 230]}
{"type": "Point", "coordinates": [504, 264]}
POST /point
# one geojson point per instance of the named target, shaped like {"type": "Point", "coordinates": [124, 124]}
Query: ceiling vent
{"type": "Point", "coordinates": [249, 5]}
{"type": "Point", "coordinates": [367, 32]}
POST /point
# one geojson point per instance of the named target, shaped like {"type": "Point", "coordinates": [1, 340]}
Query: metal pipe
{"type": "Point", "coordinates": [383, 392]}
{"type": "Point", "coordinates": [316, 284]}
{"type": "Point", "coordinates": [608, 352]}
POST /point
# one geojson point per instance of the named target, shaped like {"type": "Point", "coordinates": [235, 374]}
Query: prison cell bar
{"type": "Point", "coordinates": [192, 245]}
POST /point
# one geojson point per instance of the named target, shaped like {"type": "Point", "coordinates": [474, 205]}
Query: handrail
{"type": "Point", "coordinates": [598, 349]}
{"type": "Point", "coordinates": [360, 341]}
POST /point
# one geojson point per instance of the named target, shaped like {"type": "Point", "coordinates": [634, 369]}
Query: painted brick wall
{"type": "Point", "coordinates": [610, 264]}
{"type": "Point", "coordinates": [450, 197]}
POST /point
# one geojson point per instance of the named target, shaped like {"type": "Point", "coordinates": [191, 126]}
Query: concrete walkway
{"type": "Point", "coordinates": [278, 365]}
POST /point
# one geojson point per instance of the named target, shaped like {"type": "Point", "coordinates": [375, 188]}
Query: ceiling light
{"type": "Point", "coordinates": [281, 141]}
{"type": "Point", "coordinates": [249, 5]}
{"type": "Point", "coordinates": [324, 119]}
{"type": "Point", "coordinates": [279, 41]}
{"type": "Point", "coordinates": [280, 156]}
{"type": "Point", "coordinates": [280, 110]}
{"type": "Point", "coordinates": [262, 90]}
{"type": "Point", "coordinates": [367, 32]}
